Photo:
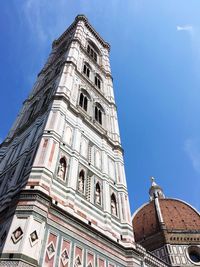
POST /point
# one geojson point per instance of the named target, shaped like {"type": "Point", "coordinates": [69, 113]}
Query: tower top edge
{"type": "Point", "coordinates": [82, 17]}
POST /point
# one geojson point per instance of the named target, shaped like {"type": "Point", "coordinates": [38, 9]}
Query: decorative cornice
{"type": "Point", "coordinates": [90, 28]}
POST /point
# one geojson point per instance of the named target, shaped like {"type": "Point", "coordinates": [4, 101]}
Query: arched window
{"type": "Point", "coordinates": [113, 205]}
{"type": "Point", "coordinates": [58, 67]}
{"type": "Point", "coordinates": [11, 175]}
{"type": "Point", "coordinates": [92, 53]}
{"type": "Point", "coordinates": [83, 100]}
{"type": "Point", "coordinates": [98, 113]}
{"type": "Point", "coordinates": [46, 98]}
{"type": "Point", "coordinates": [62, 168]}
{"type": "Point", "coordinates": [97, 81]}
{"type": "Point", "coordinates": [47, 77]}
{"type": "Point", "coordinates": [86, 69]}
{"type": "Point", "coordinates": [32, 110]}
{"type": "Point", "coordinates": [26, 166]}
{"type": "Point", "coordinates": [92, 50]}
{"type": "Point", "coordinates": [81, 181]}
{"type": "Point", "coordinates": [97, 194]}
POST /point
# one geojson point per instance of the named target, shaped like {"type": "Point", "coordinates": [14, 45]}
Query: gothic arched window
{"type": "Point", "coordinates": [97, 81]}
{"type": "Point", "coordinates": [62, 166]}
{"type": "Point", "coordinates": [81, 181]}
{"type": "Point", "coordinates": [98, 113]}
{"type": "Point", "coordinates": [97, 194]}
{"type": "Point", "coordinates": [84, 99]}
{"type": "Point", "coordinates": [26, 165]}
{"type": "Point", "coordinates": [92, 50]}
{"type": "Point", "coordinates": [92, 53]}
{"type": "Point", "coordinates": [47, 77]}
{"type": "Point", "coordinates": [87, 69]}
{"type": "Point", "coordinates": [32, 110]}
{"type": "Point", "coordinates": [46, 97]}
{"type": "Point", "coordinates": [113, 205]}
{"type": "Point", "coordinates": [58, 67]}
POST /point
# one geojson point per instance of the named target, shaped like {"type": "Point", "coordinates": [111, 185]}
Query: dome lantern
{"type": "Point", "coordinates": [155, 190]}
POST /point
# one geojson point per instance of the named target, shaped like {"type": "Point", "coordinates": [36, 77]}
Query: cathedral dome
{"type": "Point", "coordinates": [176, 216]}
{"type": "Point", "coordinates": [165, 221]}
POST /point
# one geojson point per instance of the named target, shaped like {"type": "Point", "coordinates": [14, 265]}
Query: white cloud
{"type": "Point", "coordinates": [42, 18]}
{"type": "Point", "coordinates": [32, 12]}
{"type": "Point", "coordinates": [192, 148]}
{"type": "Point", "coordinates": [185, 28]}
{"type": "Point", "coordinates": [193, 34]}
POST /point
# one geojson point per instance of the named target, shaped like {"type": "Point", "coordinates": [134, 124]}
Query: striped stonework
{"type": "Point", "coordinates": [63, 193]}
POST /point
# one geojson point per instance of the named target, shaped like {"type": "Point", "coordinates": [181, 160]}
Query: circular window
{"type": "Point", "coordinates": [194, 254]}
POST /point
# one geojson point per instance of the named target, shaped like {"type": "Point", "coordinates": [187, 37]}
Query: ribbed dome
{"type": "Point", "coordinates": [177, 215]}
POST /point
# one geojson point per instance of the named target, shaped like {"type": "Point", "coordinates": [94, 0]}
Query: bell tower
{"type": "Point", "coordinates": [63, 188]}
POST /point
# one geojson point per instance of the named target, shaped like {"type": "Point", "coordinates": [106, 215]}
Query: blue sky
{"type": "Point", "coordinates": [155, 60]}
